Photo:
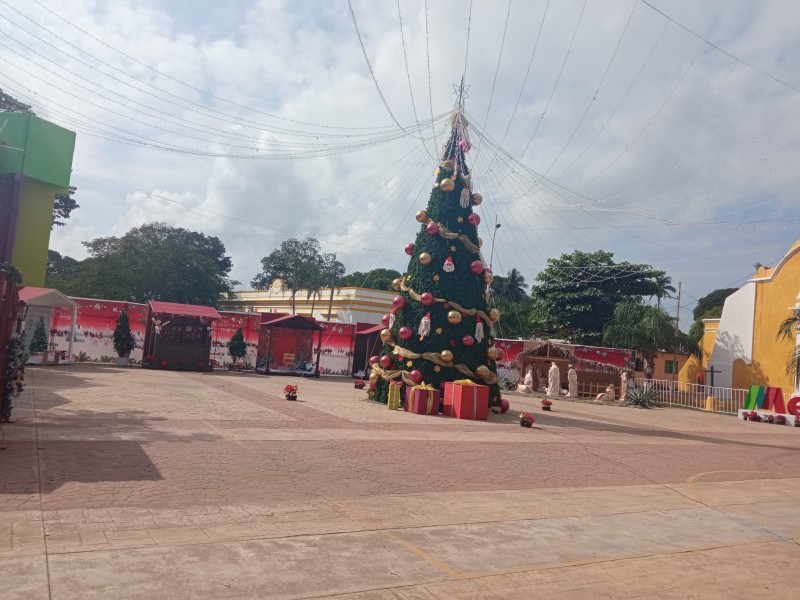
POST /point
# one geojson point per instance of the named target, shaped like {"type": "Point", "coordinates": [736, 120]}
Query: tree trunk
{"type": "Point", "coordinates": [294, 293]}
{"type": "Point", "coordinates": [313, 303]}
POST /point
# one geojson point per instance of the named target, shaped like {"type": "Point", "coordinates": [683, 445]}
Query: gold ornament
{"type": "Point", "coordinates": [477, 199]}
{"type": "Point", "coordinates": [437, 368]}
{"type": "Point", "coordinates": [396, 283]}
{"type": "Point", "coordinates": [480, 242]}
{"type": "Point", "coordinates": [453, 248]}
{"type": "Point", "coordinates": [373, 378]}
{"type": "Point", "coordinates": [454, 317]}
{"type": "Point", "coordinates": [486, 296]}
{"type": "Point", "coordinates": [494, 314]}
{"type": "Point", "coordinates": [482, 371]}
{"type": "Point", "coordinates": [436, 277]}
{"type": "Point", "coordinates": [488, 277]}
{"type": "Point", "coordinates": [491, 352]}
{"type": "Point", "coordinates": [386, 335]}
{"type": "Point", "coordinates": [425, 258]}
{"type": "Point", "coordinates": [436, 172]}
{"type": "Point", "coordinates": [410, 363]}
{"type": "Point", "coordinates": [422, 216]}
{"type": "Point", "coordinates": [439, 331]}
{"type": "Point", "coordinates": [446, 356]}
{"type": "Point", "coordinates": [448, 165]}
{"type": "Point", "coordinates": [447, 185]}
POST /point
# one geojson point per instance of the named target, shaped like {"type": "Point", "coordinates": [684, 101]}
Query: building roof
{"type": "Point", "coordinates": [186, 310]}
{"type": "Point", "coordinates": [293, 322]}
{"type": "Point", "coordinates": [36, 296]}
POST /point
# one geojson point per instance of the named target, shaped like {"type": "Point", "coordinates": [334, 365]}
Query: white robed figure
{"type": "Point", "coordinates": [526, 387]}
{"type": "Point", "coordinates": [554, 380]}
{"type": "Point", "coordinates": [572, 380]}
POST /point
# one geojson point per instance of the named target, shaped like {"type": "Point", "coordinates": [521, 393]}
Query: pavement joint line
{"type": "Point", "coordinates": [39, 483]}
{"type": "Point", "coordinates": [386, 532]}
{"type": "Point", "coordinates": [693, 478]}
{"type": "Point", "coordinates": [580, 563]}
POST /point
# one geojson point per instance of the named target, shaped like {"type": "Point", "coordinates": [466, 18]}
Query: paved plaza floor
{"type": "Point", "coordinates": [129, 483]}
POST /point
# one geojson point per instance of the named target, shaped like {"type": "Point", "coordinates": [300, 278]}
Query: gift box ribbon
{"type": "Point", "coordinates": [465, 382]}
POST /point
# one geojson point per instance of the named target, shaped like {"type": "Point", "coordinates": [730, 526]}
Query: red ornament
{"type": "Point", "coordinates": [476, 266]}
{"type": "Point", "coordinates": [426, 298]}
{"type": "Point", "coordinates": [399, 302]}
{"type": "Point", "coordinates": [504, 405]}
{"type": "Point", "coordinates": [433, 228]}
{"type": "Point", "coordinates": [474, 219]}
{"type": "Point", "coordinates": [468, 340]}
{"type": "Point", "coordinates": [415, 376]}
{"type": "Point", "coordinates": [386, 361]}
{"type": "Point", "coordinates": [405, 333]}
{"type": "Point", "coordinates": [409, 249]}
{"type": "Point", "coordinates": [373, 360]}
{"type": "Point", "coordinates": [385, 320]}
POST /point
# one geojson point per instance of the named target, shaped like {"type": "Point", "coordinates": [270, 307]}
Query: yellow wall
{"type": "Point", "coordinates": [689, 370]}
{"type": "Point", "coordinates": [33, 230]}
{"type": "Point", "coordinates": [774, 295]}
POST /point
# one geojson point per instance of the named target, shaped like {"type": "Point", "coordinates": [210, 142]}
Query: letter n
{"type": "Point", "coordinates": [755, 398]}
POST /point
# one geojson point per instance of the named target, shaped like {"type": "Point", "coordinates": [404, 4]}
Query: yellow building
{"type": "Point", "coordinates": [742, 344]}
{"type": "Point", "coordinates": [350, 304]}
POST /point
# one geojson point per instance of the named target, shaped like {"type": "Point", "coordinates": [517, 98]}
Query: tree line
{"type": "Point", "coordinates": [580, 297]}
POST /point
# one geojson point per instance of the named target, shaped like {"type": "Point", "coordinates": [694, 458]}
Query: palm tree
{"type": "Point", "coordinates": [332, 271]}
{"type": "Point", "coordinates": [646, 329]}
{"type": "Point", "coordinates": [663, 288]}
{"type": "Point", "coordinates": [511, 287]}
{"type": "Point", "coordinates": [787, 330]}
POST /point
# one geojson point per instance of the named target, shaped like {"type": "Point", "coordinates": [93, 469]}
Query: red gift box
{"type": "Point", "coordinates": [464, 401]}
{"type": "Point", "coordinates": [422, 401]}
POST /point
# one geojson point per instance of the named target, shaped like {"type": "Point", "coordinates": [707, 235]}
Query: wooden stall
{"type": "Point", "coordinates": [367, 343]}
{"type": "Point", "coordinates": [286, 345]}
{"type": "Point", "coordinates": [178, 336]}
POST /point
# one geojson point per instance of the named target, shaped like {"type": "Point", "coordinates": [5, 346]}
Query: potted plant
{"type": "Point", "coordinates": [237, 350]}
{"type": "Point", "coordinates": [123, 340]}
{"type": "Point", "coordinates": [546, 404]}
{"type": "Point", "coordinates": [290, 392]}
{"type": "Point", "coordinates": [526, 420]}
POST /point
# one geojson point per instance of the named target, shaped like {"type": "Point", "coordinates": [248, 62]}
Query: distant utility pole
{"type": "Point", "coordinates": [677, 329]}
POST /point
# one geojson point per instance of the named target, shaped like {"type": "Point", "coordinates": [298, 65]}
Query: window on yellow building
{"type": "Point", "coordinates": [671, 367]}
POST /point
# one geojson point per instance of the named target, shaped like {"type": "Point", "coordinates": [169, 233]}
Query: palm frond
{"type": "Point", "coordinates": [788, 328]}
{"type": "Point", "coordinates": [792, 362]}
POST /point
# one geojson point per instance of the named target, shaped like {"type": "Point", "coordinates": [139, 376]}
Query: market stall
{"type": "Point", "coordinates": [286, 345]}
{"type": "Point", "coordinates": [178, 336]}
{"type": "Point", "coordinates": [41, 304]}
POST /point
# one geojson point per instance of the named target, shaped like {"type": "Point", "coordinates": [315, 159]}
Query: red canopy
{"type": "Point", "coordinates": [293, 322]}
{"type": "Point", "coordinates": [372, 329]}
{"type": "Point", "coordinates": [186, 310]}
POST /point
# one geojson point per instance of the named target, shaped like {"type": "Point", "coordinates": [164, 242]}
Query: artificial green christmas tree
{"type": "Point", "coordinates": [39, 340]}
{"type": "Point", "coordinates": [123, 338]}
{"type": "Point", "coordinates": [440, 327]}
{"type": "Point", "coordinates": [237, 348]}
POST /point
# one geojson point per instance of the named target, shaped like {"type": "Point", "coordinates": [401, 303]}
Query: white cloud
{"type": "Point", "coordinates": [722, 148]}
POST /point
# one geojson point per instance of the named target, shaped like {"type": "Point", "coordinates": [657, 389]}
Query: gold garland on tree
{"type": "Point", "coordinates": [467, 311]}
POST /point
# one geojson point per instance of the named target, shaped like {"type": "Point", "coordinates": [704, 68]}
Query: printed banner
{"type": "Point", "coordinates": [92, 340]}
{"type": "Point", "coordinates": [336, 357]}
{"type": "Point", "coordinates": [606, 356]}
{"type": "Point", "coordinates": [224, 330]}
{"type": "Point", "coordinates": [508, 367]}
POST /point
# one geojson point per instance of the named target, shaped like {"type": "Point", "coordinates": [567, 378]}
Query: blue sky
{"type": "Point", "coordinates": [652, 143]}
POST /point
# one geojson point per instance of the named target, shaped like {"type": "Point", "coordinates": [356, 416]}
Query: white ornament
{"type": "Point", "coordinates": [466, 198]}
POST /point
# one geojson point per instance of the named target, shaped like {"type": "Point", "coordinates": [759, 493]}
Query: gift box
{"type": "Point", "coordinates": [423, 400]}
{"type": "Point", "coordinates": [394, 395]}
{"type": "Point", "coordinates": [466, 400]}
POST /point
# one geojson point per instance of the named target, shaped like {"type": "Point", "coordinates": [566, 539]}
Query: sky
{"type": "Point", "coordinates": [594, 125]}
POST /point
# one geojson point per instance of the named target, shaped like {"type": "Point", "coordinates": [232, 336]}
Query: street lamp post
{"type": "Point", "coordinates": [494, 234]}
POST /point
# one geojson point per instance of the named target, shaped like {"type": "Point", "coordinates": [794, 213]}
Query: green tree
{"type": "Point", "coordinates": [712, 301]}
{"type": "Point", "coordinates": [154, 261]}
{"type": "Point", "coordinates": [512, 286]}
{"type": "Point", "coordinates": [123, 338]}
{"type": "Point", "coordinates": [663, 288]}
{"type": "Point", "coordinates": [575, 294]}
{"type": "Point", "coordinates": [237, 348]}
{"type": "Point", "coordinates": [332, 271]}
{"type": "Point", "coordinates": [439, 329]}
{"type": "Point", "coordinates": [787, 330]}
{"type": "Point", "coordinates": [63, 206]}
{"type": "Point", "coordinates": [39, 338]}
{"type": "Point", "coordinates": [10, 104]}
{"type": "Point", "coordinates": [296, 262]}
{"type": "Point", "coordinates": [376, 279]}
{"type": "Point", "coordinates": [646, 329]}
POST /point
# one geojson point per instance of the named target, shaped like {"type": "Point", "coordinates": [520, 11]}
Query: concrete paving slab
{"type": "Point", "coordinates": [281, 569]}
{"type": "Point", "coordinates": [24, 578]}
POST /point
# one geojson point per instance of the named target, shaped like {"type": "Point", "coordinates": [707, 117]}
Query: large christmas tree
{"type": "Point", "coordinates": [440, 327]}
